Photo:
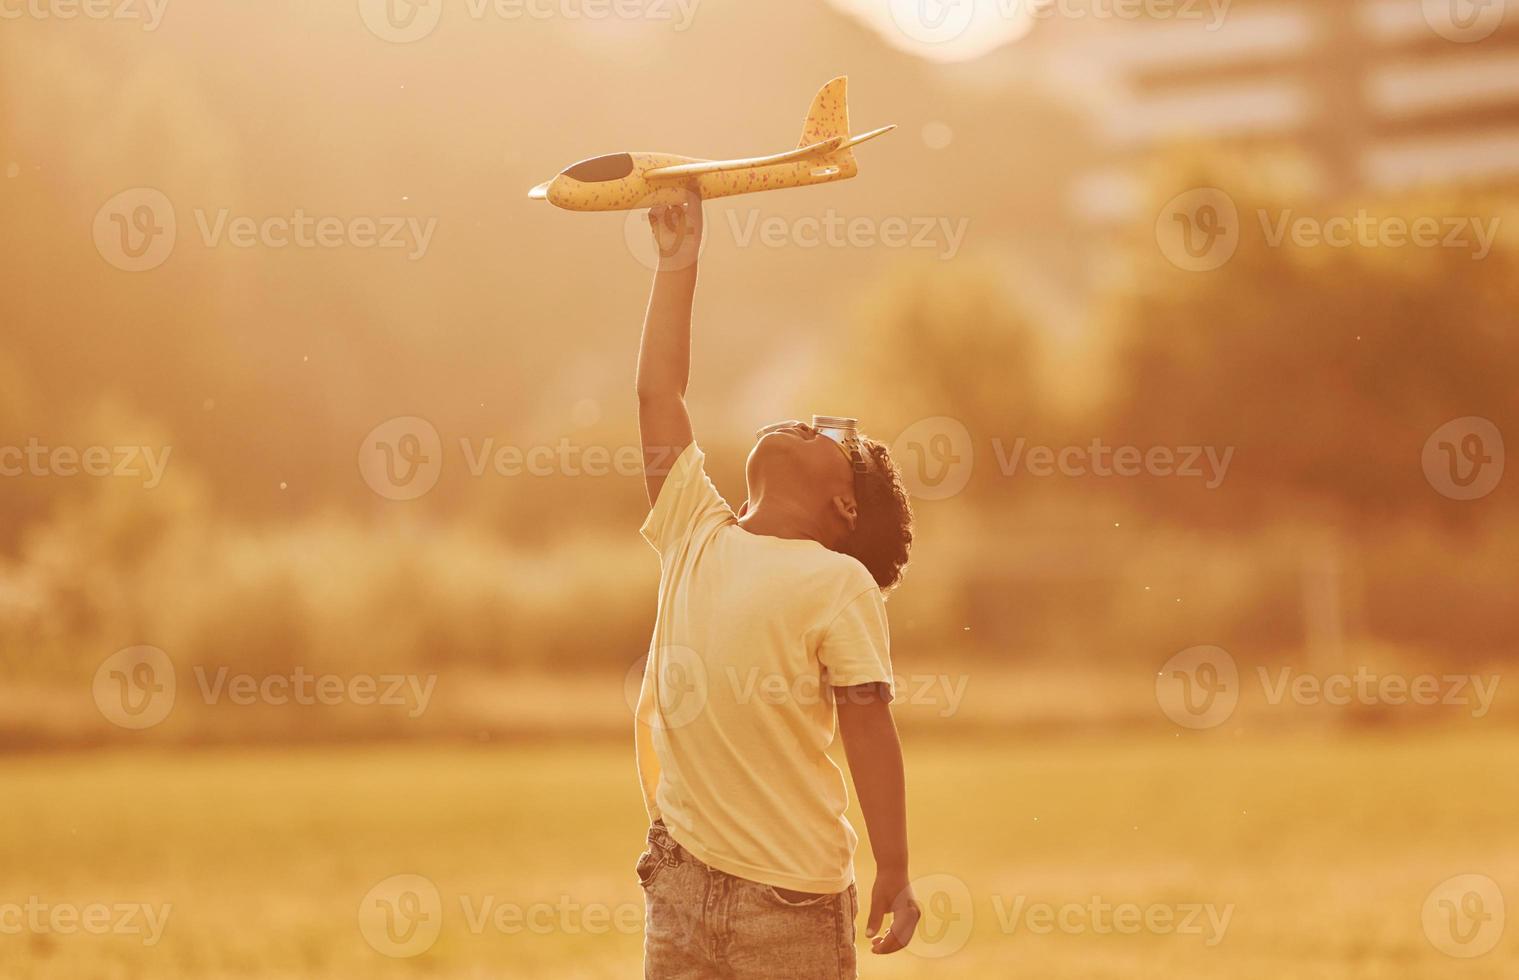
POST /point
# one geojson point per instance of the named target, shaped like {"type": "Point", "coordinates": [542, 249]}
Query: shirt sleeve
{"type": "Point", "coordinates": [687, 501]}
{"type": "Point", "coordinates": [856, 649]}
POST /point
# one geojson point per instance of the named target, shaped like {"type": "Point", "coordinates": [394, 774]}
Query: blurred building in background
{"type": "Point", "coordinates": [1350, 97]}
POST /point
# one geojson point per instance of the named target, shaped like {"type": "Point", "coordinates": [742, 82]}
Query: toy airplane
{"type": "Point", "coordinates": [624, 181]}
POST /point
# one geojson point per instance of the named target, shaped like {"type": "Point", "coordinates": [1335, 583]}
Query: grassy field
{"type": "Point", "coordinates": [1320, 852]}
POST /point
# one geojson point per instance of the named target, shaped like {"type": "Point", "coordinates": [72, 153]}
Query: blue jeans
{"type": "Point", "coordinates": [704, 924]}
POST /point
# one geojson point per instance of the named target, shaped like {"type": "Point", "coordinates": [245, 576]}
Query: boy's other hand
{"type": "Point", "coordinates": [892, 893]}
{"type": "Point", "coordinates": [677, 232]}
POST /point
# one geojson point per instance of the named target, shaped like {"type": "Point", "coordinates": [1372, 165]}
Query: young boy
{"type": "Point", "coordinates": [771, 625]}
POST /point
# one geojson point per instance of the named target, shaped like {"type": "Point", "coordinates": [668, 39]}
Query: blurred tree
{"type": "Point", "coordinates": [1325, 370]}
{"type": "Point", "coordinates": [941, 341]}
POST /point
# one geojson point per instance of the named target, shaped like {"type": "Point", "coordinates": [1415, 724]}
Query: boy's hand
{"type": "Point", "coordinates": [677, 233]}
{"type": "Point", "coordinates": [892, 893]}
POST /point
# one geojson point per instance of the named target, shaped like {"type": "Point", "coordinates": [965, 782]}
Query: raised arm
{"type": "Point", "coordinates": [664, 355]}
{"type": "Point", "coordinates": [875, 760]}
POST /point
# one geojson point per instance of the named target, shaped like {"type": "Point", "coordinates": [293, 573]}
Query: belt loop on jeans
{"type": "Point", "coordinates": [659, 836]}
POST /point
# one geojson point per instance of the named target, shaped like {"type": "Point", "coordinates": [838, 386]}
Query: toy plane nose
{"type": "Point", "coordinates": [541, 192]}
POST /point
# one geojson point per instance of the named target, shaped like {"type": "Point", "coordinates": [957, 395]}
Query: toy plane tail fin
{"type": "Point", "coordinates": [829, 115]}
{"type": "Point", "coordinates": [828, 118]}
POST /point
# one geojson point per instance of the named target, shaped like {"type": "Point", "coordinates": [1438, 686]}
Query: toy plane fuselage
{"type": "Point", "coordinates": [625, 181]}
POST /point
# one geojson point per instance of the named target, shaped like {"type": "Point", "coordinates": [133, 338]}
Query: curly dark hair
{"type": "Point", "coordinates": [882, 535]}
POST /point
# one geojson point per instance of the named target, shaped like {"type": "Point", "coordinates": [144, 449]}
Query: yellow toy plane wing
{"type": "Point", "coordinates": [823, 148]}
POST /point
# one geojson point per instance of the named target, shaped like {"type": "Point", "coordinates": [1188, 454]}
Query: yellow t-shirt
{"type": "Point", "coordinates": [736, 711]}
